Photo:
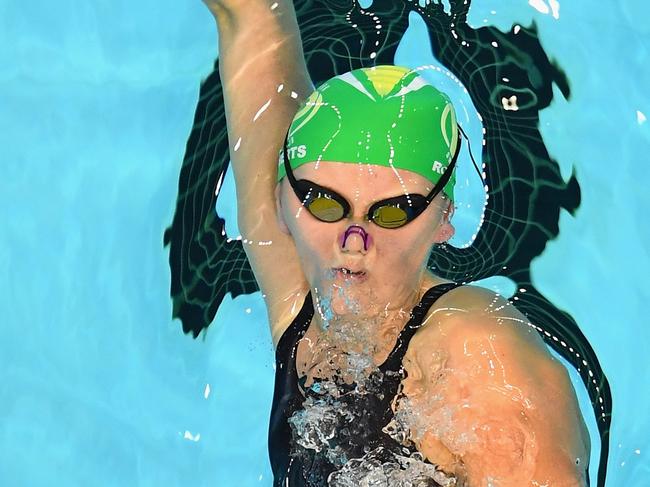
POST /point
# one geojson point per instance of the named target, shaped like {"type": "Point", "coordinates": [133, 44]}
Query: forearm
{"type": "Point", "coordinates": [260, 62]}
{"type": "Point", "coordinates": [264, 79]}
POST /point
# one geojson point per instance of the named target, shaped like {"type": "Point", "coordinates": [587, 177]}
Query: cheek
{"type": "Point", "coordinates": [408, 245]}
{"type": "Point", "coordinates": [398, 258]}
{"type": "Point", "coordinates": [293, 215]}
{"type": "Point", "coordinates": [309, 236]}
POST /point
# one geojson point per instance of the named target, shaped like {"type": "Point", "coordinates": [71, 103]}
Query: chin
{"type": "Point", "coordinates": [345, 306]}
{"type": "Point", "coordinates": [341, 299]}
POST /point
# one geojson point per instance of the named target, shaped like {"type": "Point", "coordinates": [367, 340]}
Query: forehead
{"type": "Point", "coordinates": [363, 179]}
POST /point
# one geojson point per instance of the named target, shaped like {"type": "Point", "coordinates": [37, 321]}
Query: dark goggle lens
{"type": "Point", "coordinates": [390, 216]}
{"type": "Point", "coordinates": [326, 209]}
{"type": "Point", "coordinates": [330, 210]}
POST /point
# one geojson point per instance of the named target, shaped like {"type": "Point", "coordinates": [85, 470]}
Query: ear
{"type": "Point", "coordinates": [445, 228]}
{"type": "Point", "coordinates": [282, 224]}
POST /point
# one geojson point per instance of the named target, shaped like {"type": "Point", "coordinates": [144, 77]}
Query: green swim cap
{"type": "Point", "coordinates": [384, 115]}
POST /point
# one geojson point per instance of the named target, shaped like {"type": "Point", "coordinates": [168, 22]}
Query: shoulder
{"type": "Point", "coordinates": [473, 311]}
{"type": "Point", "coordinates": [479, 359]}
{"type": "Point", "coordinates": [471, 324]}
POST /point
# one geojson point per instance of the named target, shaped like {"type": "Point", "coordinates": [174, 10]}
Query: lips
{"type": "Point", "coordinates": [350, 274]}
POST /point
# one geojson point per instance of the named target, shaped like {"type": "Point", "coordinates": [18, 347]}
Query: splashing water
{"type": "Point", "coordinates": [372, 470]}
{"type": "Point", "coordinates": [339, 409]}
{"type": "Point", "coordinates": [511, 63]}
{"type": "Point", "coordinates": [317, 425]}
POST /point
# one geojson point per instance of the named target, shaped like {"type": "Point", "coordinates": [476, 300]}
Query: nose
{"type": "Point", "coordinates": [355, 239]}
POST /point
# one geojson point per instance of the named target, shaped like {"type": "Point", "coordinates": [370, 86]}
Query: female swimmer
{"type": "Point", "coordinates": [386, 374]}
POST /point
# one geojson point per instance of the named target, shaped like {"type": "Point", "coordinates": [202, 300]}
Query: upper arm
{"type": "Point", "coordinates": [495, 399]}
{"type": "Point", "coordinates": [264, 79]}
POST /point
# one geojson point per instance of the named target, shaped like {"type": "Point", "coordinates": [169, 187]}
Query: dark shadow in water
{"type": "Point", "coordinates": [526, 188]}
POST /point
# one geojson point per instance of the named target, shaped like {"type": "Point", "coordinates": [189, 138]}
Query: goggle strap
{"type": "Point", "coordinates": [445, 177]}
{"type": "Point", "coordinates": [469, 148]}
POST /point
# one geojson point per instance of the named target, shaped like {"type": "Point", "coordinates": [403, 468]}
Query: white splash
{"type": "Point", "coordinates": [640, 117]}
{"type": "Point", "coordinates": [216, 190]}
{"type": "Point", "coordinates": [206, 392]}
{"type": "Point", "coordinates": [510, 104]}
{"type": "Point", "coordinates": [191, 437]}
{"type": "Point", "coordinates": [261, 110]}
{"type": "Point", "coordinates": [541, 7]}
{"type": "Point", "coordinates": [555, 8]}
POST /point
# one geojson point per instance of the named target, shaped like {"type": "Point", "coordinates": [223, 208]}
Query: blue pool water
{"type": "Point", "coordinates": [98, 386]}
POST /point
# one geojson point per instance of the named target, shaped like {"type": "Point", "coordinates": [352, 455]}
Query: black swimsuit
{"type": "Point", "coordinates": [317, 437]}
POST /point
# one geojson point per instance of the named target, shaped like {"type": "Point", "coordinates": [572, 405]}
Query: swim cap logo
{"type": "Point", "coordinates": [438, 167]}
{"type": "Point", "coordinates": [448, 126]}
{"type": "Point", "coordinates": [297, 151]}
{"type": "Point", "coordinates": [307, 112]}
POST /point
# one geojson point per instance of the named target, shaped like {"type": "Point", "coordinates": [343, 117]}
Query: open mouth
{"type": "Point", "coordinates": [348, 274]}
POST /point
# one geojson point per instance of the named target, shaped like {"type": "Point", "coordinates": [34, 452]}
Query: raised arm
{"type": "Point", "coordinates": [264, 79]}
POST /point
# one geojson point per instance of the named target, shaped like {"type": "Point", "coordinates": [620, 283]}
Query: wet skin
{"type": "Point", "coordinates": [451, 359]}
{"type": "Point", "coordinates": [394, 260]}
{"type": "Point", "coordinates": [478, 374]}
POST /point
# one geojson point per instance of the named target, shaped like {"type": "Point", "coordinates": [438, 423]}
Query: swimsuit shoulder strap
{"type": "Point", "coordinates": [298, 327]}
{"type": "Point", "coordinates": [419, 312]}
{"type": "Point", "coordinates": [296, 330]}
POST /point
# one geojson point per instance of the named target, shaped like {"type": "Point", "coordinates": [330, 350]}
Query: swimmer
{"type": "Point", "coordinates": [386, 374]}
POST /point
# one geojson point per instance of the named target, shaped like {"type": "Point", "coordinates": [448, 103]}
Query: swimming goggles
{"type": "Point", "coordinates": [327, 205]}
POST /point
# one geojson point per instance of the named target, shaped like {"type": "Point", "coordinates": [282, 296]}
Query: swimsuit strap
{"type": "Point", "coordinates": [288, 344]}
{"type": "Point", "coordinates": [394, 360]}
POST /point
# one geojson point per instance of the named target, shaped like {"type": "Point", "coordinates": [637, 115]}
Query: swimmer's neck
{"type": "Point", "coordinates": [392, 315]}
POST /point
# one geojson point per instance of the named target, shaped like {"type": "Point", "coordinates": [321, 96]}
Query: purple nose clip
{"type": "Point", "coordinates": [359, 231]}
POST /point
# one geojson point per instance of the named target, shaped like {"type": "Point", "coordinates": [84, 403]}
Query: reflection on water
{"type": "Point", "coordinates": [510, 79]}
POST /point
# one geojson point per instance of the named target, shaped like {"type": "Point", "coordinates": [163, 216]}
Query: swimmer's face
{"type": "Point", "coordinates": [394, 260]}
